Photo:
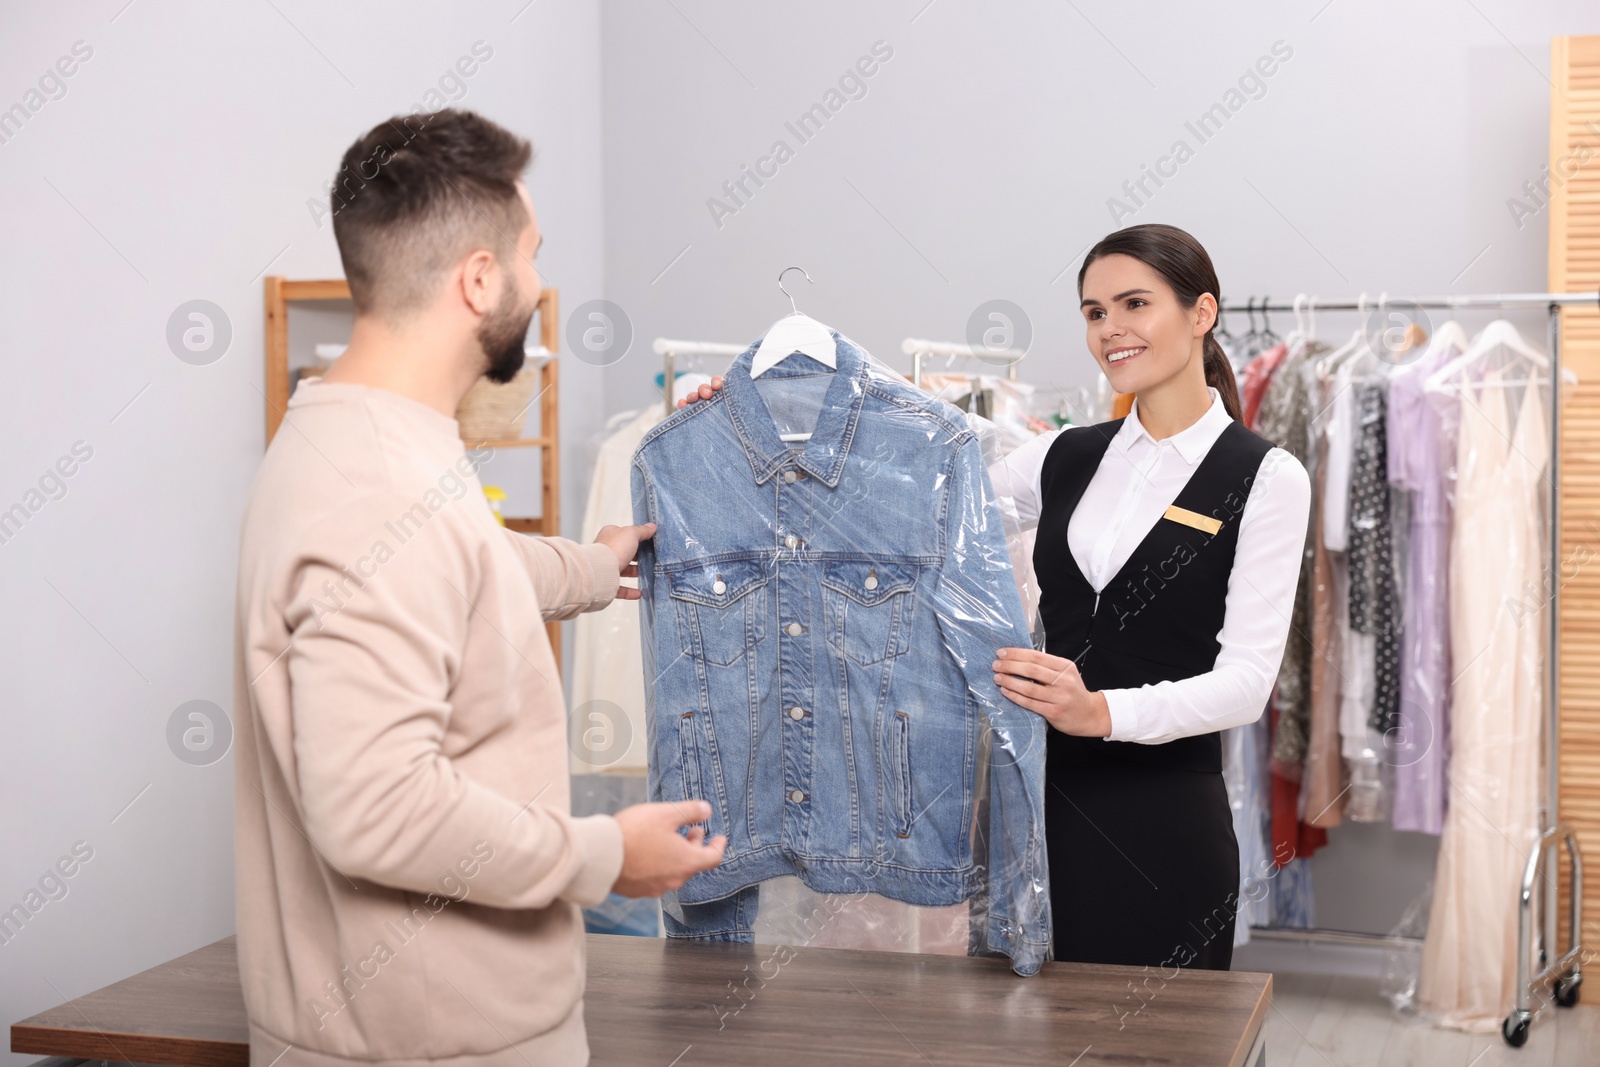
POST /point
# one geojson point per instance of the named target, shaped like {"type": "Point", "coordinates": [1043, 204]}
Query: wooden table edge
{"type": "Point", "coordinates": [1258, 1019]}
{"type": "Point", "coordinates": [128, 1047]}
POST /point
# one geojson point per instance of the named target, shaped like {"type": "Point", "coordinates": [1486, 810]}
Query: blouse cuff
{"type": "Point", "coordinates": [1123, 707]}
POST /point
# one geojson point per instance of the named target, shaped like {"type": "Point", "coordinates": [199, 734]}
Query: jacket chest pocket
{"type": "Point", "coordinates": [868, 608]}
{"type": "Point", "coordinates": [722, 608]}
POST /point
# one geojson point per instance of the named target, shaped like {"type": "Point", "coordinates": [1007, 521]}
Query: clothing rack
{"type": "Point", "coordinates": [669, 351]}
{"type": "Point", "coordinates": [918, 349]}
{"type": "Point", "coordinates": [1563, 969]}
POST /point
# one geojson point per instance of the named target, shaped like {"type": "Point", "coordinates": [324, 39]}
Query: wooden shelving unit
{"type": "Point", "coordinates": [279, 292]}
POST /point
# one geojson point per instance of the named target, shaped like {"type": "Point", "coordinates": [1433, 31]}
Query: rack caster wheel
{"type": "Point", "coordinates": [1567, 990]}
{"type": "Point", "coordinates": [1515, 1028]}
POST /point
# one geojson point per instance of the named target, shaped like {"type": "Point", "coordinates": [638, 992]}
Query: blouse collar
{"type": "Point", "coordinates": [1192, 442]}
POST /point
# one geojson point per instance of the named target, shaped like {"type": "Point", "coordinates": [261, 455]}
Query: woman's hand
{"type": "Point", "coordinates": [1052, 687]}
{"type": "Point", "coordinates": [705, 392]}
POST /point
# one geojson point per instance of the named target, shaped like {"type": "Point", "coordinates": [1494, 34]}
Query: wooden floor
{"type": "Point", "coordinates": [1321, 1021]}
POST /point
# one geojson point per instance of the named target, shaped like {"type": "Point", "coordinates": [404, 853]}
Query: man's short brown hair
{"type": "Point", "coordinates": [415, 194]}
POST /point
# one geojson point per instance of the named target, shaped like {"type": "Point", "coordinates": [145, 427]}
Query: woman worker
{"type": "Point", "coordinates": [1168, 549]}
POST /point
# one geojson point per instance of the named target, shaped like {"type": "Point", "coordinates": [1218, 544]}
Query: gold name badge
{"type": "Point", "coordinates": [1193, 518]}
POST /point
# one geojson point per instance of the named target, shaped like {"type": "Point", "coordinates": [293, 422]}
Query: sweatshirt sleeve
{"type": "Point", "coordinates": [377, 642]}
{"type": "Point", "coordinates": [570, 578]}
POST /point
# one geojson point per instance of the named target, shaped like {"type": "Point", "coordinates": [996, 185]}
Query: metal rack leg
{"type": "Point", "coordinates": [1564, 973]}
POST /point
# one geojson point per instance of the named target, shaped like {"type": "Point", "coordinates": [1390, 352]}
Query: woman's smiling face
{"type": "Point", "coordinates": [1139, 332]}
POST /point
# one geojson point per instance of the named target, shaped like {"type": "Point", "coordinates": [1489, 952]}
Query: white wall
{"type": "Point", "coordinates": [178, 166]}
{"type": "Point", "coordinates": [980, 163]}
{"type": "Point", "coordinates": [1379, 155]}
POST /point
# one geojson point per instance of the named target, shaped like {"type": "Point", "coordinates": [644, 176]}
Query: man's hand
{"type": "Point", "coordinates": [655, 857]}
{"type": "Point", "coordinates": [1052, 687]}
{"type": "Point", "coordinates": [624, 541]}
{"type": "Point", "coordinates": [705, 392]}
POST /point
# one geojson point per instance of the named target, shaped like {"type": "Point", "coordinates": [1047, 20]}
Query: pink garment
{"type": "Point", "coordinates": [1257, 375]}
{"type": "Point", "coordinates": [1468, 977]}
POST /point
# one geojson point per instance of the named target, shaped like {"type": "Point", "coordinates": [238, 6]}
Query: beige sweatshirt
{"type": "Point", "coordinates": [409, 874]}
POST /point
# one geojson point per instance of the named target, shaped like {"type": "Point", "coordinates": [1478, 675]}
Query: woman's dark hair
{"type": "Point", "coordinates": [1182, 262]}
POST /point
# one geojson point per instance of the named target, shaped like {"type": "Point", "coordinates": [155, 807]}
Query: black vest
{"type": "Point", "coordinates": [1159, 617]}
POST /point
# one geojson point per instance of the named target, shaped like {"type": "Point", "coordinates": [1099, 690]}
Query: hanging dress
{"type": "Point", "coordinates": [1468, 978]}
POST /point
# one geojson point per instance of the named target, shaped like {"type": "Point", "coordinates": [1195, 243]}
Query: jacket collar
{"type": "Point", "coordinates": [824, 454]}
{"type": "Point", "coordinates": [1192, 442]}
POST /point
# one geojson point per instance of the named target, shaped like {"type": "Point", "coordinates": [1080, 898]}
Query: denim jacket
{"type": "Point", "coordinates": [819, 624]}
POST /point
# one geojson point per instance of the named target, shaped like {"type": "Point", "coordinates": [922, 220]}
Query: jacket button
{"type": "Point", "coordinates": [789, 476]}
{"type": "Point", "coordinates": [797, 795]}
{"type": "Point", "coordinates": [871, 582]}
{"type": "Point", "coordinates": [791, 541]}
{"type": "Point", "coordinates": [797, 713]}
{"type": "Point", "coordinates": [719, 587]}
{"type": "Point", "coordinates": [794, 629]}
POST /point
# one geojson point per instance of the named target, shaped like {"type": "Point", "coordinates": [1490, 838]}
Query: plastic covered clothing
{"type": "Point", "coordinates": [1422, 442]}
{"type": "Point", "coordinates": [607, 668]}
{"type": "Point", "coordinates": [1284, 418]}
{"type": "Point", "coordinates": [1322, 782]}
{"type": "Point", "coordinates": [819, 621]}
{"type": "Point", "coordinates": [1374, 600]}
{"type": "Point", "coordinates": [1498, 642]}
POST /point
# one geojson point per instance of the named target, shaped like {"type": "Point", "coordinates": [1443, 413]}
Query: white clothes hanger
{"type": "Point", "coordinates": [794, 333]}
{"type": "Point", "coordinates": [1351, 348]}
{"type": "Point", "coordinates": [1452, 335]}
{"type": "Point", "coordinates": [1300, 337]}
{"type": "Point", "coordinates": [1379, 357]}
{"type": "Point", "coordinates": [1498, 334]}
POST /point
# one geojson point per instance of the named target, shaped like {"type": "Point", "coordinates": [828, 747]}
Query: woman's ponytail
{"type": "Point", "coordinates": [1219, 376]}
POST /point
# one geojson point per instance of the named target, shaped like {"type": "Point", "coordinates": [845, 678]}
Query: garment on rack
{"type": "Point", "coordinates": [819, 623]}
{"type": "Point", "coordinates": [1468, 976]}
{"type": "Point", "coordinates": [1323, 779]}
{"type": "Point", "coordinates": [1292, 839]}
{"type": "Point", "coordinates": [1363, 799]}
{"type": "Point", "coordinates": [1339, 430]}
{"type": "Point", "coordinates": [607, 661]}
{"type": "Point", "coordinates": [1244, 772]}
{"type": "Point", "coordinates": [1258, 373]}
{"type": "Point", "coordinates": [1294, 897]}
{"type": "Point", "coordinates": [1284, 419]}
{"type": "Point", "coordinates": [1422, 442]}
{"type": "Point", "coordinates": [1374, 603]}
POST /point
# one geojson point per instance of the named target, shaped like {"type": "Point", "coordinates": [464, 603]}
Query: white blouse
{"type": "Point", "coordinates": [1137, 480]}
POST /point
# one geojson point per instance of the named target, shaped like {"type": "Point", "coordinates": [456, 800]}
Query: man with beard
{"type": "Point", "coordinates": [409, 875]}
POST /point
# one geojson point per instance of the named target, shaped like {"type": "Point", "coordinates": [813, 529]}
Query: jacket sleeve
{"type": "Point", "coordinates": [570, 578]}
{"type": "Point", "coordinates": [980, 612]}
{"type": "Point", "coordinates": [371, 672]}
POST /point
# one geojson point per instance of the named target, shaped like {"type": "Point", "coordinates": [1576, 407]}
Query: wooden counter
{"type": "Point", "coordinates": [656, 1002]}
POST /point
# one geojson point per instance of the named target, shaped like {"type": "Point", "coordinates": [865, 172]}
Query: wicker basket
{"type": "Point", "coordinates": [491, 412]}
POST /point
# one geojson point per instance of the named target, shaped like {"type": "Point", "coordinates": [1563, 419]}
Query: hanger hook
{"type": "Point", "coordinates": [1266, 321]}
{"type": "Point", "coordinates": [785, 292]}
{"type": "Point", "coordinates": [1250, 310]}
{"type": "Point", "coordinates": [1311, 316]}
{"type": "Point", "coordinates": [1299, 319]}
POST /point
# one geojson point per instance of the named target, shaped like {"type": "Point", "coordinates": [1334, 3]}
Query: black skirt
{"type": "Point", "coordinates": [1144, 865]}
